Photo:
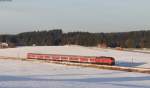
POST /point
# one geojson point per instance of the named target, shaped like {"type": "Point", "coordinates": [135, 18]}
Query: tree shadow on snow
{"type": "Point", "coordinates": [112, 81]}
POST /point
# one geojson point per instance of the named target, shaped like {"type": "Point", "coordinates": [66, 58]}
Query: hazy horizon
{"type": "Point", "coordinates": [74, 15]}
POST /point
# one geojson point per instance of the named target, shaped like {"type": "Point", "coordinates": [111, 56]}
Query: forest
{"type": "Point", "coordinates": [56, 37]}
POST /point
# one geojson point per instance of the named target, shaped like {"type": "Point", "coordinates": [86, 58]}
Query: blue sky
{"type": "Point", "coordinates": [74, 15]}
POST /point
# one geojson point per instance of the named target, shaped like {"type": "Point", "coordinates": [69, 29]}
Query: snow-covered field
{"type": "Point", "coordinates": [26, 74]}
{"type": "Point", "coordinates": [123, 58]}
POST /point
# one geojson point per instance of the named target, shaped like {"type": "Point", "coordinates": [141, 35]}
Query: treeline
{"type": "Point", "coordinates": [135, 39]}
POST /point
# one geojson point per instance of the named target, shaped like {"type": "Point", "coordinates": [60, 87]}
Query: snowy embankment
{"type": "Point", "coordinates": [26, 74]}
{"type": "Point", "coordinates": [123, 58]}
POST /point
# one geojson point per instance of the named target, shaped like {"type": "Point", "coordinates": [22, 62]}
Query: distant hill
{"type": "Point", "coordinates": [134, 39]}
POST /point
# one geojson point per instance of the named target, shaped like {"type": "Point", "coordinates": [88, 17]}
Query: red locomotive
{"type": "Point", "coordinates": [72, 58]}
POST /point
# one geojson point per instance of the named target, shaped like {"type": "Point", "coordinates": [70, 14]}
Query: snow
{"type": "Point", "coordinates": [29, 74]}
{"type": "Point", "coordinates": [35, 74]}
{"type": "Point", "coordinates": [123, 58]}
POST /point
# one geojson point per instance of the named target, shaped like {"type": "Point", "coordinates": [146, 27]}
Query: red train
{"type": "Point", "coordinates": [72, 58]}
